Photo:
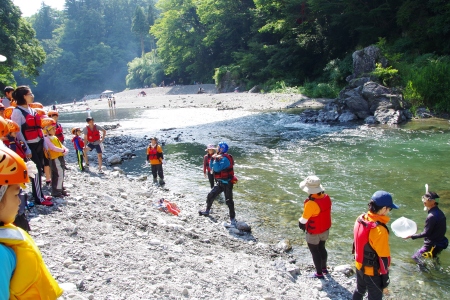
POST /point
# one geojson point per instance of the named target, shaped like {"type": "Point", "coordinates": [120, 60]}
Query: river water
{"type": "Point", "coordinates": [274, 152]}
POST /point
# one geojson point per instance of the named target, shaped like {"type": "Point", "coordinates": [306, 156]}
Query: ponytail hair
{"type": "Point", "coordinates": [19, 94]}
{"type": "Point", "coordinates": [373, 208]}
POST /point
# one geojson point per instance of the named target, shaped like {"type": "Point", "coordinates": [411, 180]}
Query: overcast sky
{"type": "Point", "coordinates": [30, 7]}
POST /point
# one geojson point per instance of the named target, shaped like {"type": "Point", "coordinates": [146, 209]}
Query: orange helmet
{"type": "Point", "coordinates": [3, 127]}
{"type": "Point", "coordinates": [8, 112]}
{"type": "Point", "coordinates": [13, 169]}
{"type": "Point", "coordinates": [12, 126]}
{"type": "Point", "coordinates": [47, 122]}
{"type": "Point", "coordinates": [75, 129]}
{"type": "Point", "coordinates": [36, 105]}
{"type": "Point", "coordinates": [52, 112]}
{"type": "Point", "coordinates": [13, 103]}
{"type": "Point", "coordinates": [40, 111]}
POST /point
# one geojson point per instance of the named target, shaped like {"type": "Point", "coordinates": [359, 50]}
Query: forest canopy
{"type": "Point", "coordinates": [93, 45]}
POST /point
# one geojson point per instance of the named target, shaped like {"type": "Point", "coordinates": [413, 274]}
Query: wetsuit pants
{"type": "Point", "coordinates": [37, 151]}
{"type": "Point", "coordinates": [157, 170]}
{"type": "Point", "coordinates": [418, 256]}
{"type": "Point", "coordinates": [227, 189]}
{"type": "Point", "coordinates": [58, 166]}
{"type": "Point", "coordinates": [371, 284]}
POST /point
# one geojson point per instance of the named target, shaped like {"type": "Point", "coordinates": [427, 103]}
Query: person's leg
{"type": "Point", "coordinates": [417, 257]}
{"type": "Point", "coordinates": [228, 191]}
{"type": "Point", "coordinates": [37, 158]}
{"type": "Point", "coordinates": [317, 259]}
{"type": "Point", "coordinates": [361, 288]}
{"type": "Point", "coordinates": [155, 173]}
{"type": "Point", "coordinates": [323, 255]}
{"type": "Point", "coordinates": [80, 160]}
{"type": "Point", "coordinates": [86, 158]}
{"type": "Point", "coordinates": [47, 171]}
{"type": "Point", "coordinates": [211, 179]}
{"type": "Point", "coordinates": [160, 174]}
{"type": "Point", "coordinates": [216, 190]}
{"type": "Point", "coordinates": [56, 186]}
{"type": "Point", "coordinates": [374, 290]}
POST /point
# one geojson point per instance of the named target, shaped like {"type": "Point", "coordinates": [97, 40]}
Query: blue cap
{"type": "Point", "coordinates": [382, 199]}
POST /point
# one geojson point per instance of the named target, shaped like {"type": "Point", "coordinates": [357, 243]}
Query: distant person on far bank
{"type": "Point", "coordinates": [8, 90]}
{"type": "Point", "coordinates": [222, 165]}
{"type": "Point", "coordinates": [94, 140]}
{"type": "Point", "coordinates": [316, 222]}
{"type": "Point", "coordinates": [155, 157]}
{"type": "Point", "coordinates": [434, 230]}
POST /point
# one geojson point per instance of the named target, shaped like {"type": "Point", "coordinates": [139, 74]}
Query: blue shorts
{"type": "Point", "coordinates": [97, 148]}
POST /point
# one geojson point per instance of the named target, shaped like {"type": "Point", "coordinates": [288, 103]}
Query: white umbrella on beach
{"type": "Point", "coordinates": [107, 92]}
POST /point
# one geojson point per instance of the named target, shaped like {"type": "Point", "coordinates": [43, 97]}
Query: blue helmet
{"type": "Point", "coordinates": [223, 147]}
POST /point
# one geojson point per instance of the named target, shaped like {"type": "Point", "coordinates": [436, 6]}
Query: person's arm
{"type": "Point", "coordinates": [311, 209]}
{"type": "Point", "coordinates": [205, 163]}
{"type": "Point", "coordinates": [430, 222]}
{"type": "Point", "coordinates": [219, 164]}
{"type": "Point", "coordinates": [159, 153]}
{"type": "Point", "coordinates": [18, 117]}
{"type": "Point", "coordinates": [7, 266]}
{"type": "Point", "coordinates": [85, 140]}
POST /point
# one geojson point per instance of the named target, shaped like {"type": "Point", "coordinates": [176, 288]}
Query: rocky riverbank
{"type": "Point", "coordinates": [109, 240]}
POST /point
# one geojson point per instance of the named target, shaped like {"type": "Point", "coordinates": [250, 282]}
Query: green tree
{"type": "Point", "coordinates": [140, 26]}
{"type": "Point", "coordinates": [18, 44]}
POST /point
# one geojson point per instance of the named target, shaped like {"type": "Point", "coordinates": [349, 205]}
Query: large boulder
{"type": "Point", "coordinates": [365, 60]}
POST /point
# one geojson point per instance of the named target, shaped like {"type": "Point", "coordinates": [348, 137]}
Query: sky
{"type": "Point", "coordinates": [30, 7]}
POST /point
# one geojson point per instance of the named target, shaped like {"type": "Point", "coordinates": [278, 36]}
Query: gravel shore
{"type": "Point", "coordinates": [110, 240]}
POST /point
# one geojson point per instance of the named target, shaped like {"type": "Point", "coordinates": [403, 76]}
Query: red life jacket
{"type": "Point", "coordinates": [206, 160]}
{"type": "Point", "coordinates": [59, 133]}
{"type": "Point", "coordinates": [153, 152]}
{"type": "Point", "coordinates": [93, 135]}
{"type": "Point", "coordinates": [227, 173]}
{"type": "Point", "coordinates": [31, 129]}
{"type": "Point", "coordinates": [16, 146]}
{"type": "Point", "coordinates": [80, 143]}
{"type": "Point", "coordinates": [321, 222]}
{"type": "Point", "coordinates": [363, 251]}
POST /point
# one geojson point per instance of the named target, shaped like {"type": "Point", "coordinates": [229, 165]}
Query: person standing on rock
{"type": "Point", "coordinates": [222, 165]}
{"type": "Point", "coordinates": [434, 230]}
{"type": "Point", "coordinates": [207, 172]}
{"type": "Point", "coordinates": [371, 248]}
{"type": "Point", "coordinates": [23, 273]}
{"type": "Point", "coordinates": [316, 222]}
{"type": "Point", "coordinates": [155, 157]}
{"type": "Point", "coordinates": [93, 140]}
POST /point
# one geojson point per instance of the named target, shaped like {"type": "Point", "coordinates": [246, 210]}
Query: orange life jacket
{"type": "Point", "coordinates": [93, 135]}
{"type": "Point", "coordinates": [321, 222]}
{"type": "Point", "coordinates": [227, 173]}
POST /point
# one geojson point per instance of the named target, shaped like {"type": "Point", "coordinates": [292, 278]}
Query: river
{"type": "Point", "coordinates": [274, 152]}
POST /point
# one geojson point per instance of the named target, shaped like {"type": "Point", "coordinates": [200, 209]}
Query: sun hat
{"type": "Point", "coordinates": [382, 199]}
{"type": "Point", "coordinates": [311, 185]}
{"type": "Point", "coordinates": [404, 227]}
{"type": "Point", "coordinates": [211, 147]}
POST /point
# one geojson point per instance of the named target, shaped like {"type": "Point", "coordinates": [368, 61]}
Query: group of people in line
{"type": "Point", "coordinates": [27, 132]}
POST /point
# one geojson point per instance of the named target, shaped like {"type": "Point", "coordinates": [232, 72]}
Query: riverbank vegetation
{"type": "Point", "coordinates": [302, 46]}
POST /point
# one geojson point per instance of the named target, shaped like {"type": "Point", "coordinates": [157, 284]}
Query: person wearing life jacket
{"type": "Point", "coordinates": [93, 140]}
{"type": "Point", "coordinates": [207, 172]}
{"type": "Point", "coordinates": [316, 222]}
{"type": "Point", "coordinates": [59, 129]}
{"type": "Point", "coordinates": [31, 134]}
{"type": "Point", "coordinates": [434, 231]}
{"type": "Point", "coordinates": [8, 90]}
{"type": "Point", "coordinates": [155, 157]}
{"type": "Point", "coordinates": [222, 165]}
{"type": "Point", "coordinates": [23, 273]}
{"type": "Point", "coordinates": [371, 248]}
{"type": "Point", "coordinates": [78, 145]}
{"type": "Point", "coordinates": [56, 152]}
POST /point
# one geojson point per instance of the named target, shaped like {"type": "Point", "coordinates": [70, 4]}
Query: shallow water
{"type": "Point", "coordinates": [274, 152]}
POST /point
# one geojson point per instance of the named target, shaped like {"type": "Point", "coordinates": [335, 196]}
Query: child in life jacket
{"type": "Point", "coordinates": [59, 129]}
{"type": "Point", "coordinates": [78, 144]}
{"type": "Point", "coordinates": [207, 172]}
{"type": "Point", "coordinates": [156, 158]}
{"type": "Point", "coordinates": [56, 152]}
{"type": "Point", "coordinates": [23, 273]}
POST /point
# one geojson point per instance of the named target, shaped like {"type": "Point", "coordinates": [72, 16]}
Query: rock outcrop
{"type": "Point", "coordinates": [363, 98]}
